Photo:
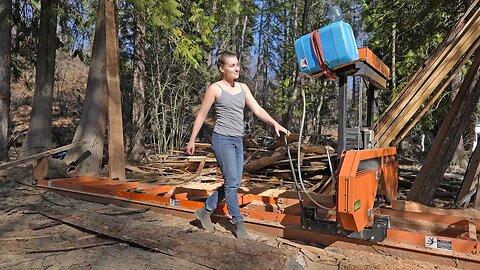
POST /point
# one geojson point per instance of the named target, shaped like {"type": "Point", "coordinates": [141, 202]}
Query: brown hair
{"type": "Point", "coordinates": [221, 56]}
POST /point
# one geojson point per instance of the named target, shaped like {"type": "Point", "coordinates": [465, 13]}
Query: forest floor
{"type": "Point", "coordinates": [31, 240]}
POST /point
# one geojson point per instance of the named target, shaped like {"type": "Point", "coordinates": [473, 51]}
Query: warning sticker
{"type": "Point", "coordinates": [434, 242]}
{"type": "Point", "coordinates": [356, 206]}
{"type": "Point", "coordinates": [174, 202]}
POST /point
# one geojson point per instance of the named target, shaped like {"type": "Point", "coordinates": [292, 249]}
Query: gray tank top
{"type": "Point", "coordinates": [229, 113]}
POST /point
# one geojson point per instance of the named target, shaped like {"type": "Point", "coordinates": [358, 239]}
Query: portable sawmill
{"type": "Point", "coordinates": [362, 212]}
{"type": "Point", "coordinates": [365, 178]}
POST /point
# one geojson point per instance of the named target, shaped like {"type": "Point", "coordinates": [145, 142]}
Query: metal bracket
{"type": "Point", "coordinates": [377, 233]}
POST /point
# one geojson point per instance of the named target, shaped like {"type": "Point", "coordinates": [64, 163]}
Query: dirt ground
{"type": "Point", "coordinates": [30, 240]}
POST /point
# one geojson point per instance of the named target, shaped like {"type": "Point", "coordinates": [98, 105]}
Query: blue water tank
{"type": "Point", "coordinates": [338, 44]}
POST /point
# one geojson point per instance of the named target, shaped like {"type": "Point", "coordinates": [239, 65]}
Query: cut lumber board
{"type": "Point", "coordinates": [476, 202]}
{"type": "Point", "coordinates": [41, 155]}
{"type": "Point", "coordinates": [423, 93]}
{"type": "Point", "coordinates": [425, 81]}
{"type": "Point", "coordinates": [411, 206]}
{"type": "Point", "coordinates": [456, 29]}
{"type": "Point", "coordinates": [404, 131]}
{"type": "Point", "coordinates": [116, 148]}
{"type": "Point", "coordinates": [425, 70]}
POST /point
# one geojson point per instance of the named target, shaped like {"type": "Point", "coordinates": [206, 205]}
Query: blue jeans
{"type": "Point", "coordinates": [228, 151]}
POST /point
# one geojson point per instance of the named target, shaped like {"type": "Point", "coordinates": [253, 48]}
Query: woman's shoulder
{"type": "Point", "coordinates": [244, 87]}
{"type": "Point", "coordinates": [214, 89]}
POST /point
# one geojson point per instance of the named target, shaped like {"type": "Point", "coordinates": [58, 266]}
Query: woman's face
{"type": "Point", "coordinates": [231, 69]}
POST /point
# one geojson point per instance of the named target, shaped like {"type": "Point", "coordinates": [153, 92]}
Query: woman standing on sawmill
{"type": "Point", "coordinates": [229, 98]}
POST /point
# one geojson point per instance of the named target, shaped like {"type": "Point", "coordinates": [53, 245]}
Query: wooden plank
{"type": "Point", "coordinates": [439, 68]}
{"type": "Point", "coordinates": [411, 206]}
{"type": "Point", "coordinates": [417, 101]}
{"type": "Point", "coordinates": [422, 71]}
{"type": "Point", "coordinates": [41, 155]}
{"type": "Point", "coordinates": [456, 29]}
{"type": "Point", "coordinates": [428, 87]}
{"type": "Point", "coordinates": [472, 230]}
{"type": "Point", "coordinates": [200, 168]}
{"type": "Point", "coordinates": [404, 131]}
{"type": "Point", "coordinates": [410, 110]}
{"type": "Point", "coordinates": [421, 184]}
{"type": "Point", "coordinates": [317, 149]}
{"type": "Point", "coordinates": [116, 151]}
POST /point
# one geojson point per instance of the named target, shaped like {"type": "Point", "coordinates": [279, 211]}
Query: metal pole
{"type": "Point", "coordinates": [342, 113]}
{"type": "Point", "coordinates": [360, 114]}
{"type": "Point", "coordinates": [370, 100]}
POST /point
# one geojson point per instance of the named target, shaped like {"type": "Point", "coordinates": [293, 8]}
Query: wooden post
{"type": "Point", "coordinates": [342, 115]}
{"type": "Point", "coordinates": [116, 158]}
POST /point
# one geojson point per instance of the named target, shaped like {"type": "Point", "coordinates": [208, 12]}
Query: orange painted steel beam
{"type": "Point", "coordinates": [276, 216]}
{"type": "Point", "coordinates": [366, 55]}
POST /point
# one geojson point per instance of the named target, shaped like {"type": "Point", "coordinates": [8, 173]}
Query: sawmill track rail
{"type": "Point", "coordinates": [441, 239]}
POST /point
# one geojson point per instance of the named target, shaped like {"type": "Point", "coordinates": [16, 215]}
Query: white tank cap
{"type": "Point", "coordinates": [335, 14]}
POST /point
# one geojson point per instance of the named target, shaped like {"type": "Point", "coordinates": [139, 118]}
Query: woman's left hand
{"type": "Point", "coordinates": [279, 128]}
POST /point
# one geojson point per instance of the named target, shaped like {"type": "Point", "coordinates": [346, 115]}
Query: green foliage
{"type": "Point", "coordinates": [184, 22]}
{"type": "Point", "coordinates": [25, 25]}
{"type": "Point", "coordinates": [76, 27]}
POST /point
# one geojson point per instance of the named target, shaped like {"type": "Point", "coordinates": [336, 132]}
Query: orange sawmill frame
{"type": "Point", "coordinates": [278, 215]}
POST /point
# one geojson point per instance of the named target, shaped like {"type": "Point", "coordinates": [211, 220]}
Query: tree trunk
{"type": "Point", "coordinates": [5, 60]}
{"type": "Point", "coordinates": [39, 135]}
{"type": "Point", "coordinates": [259, 67]}
{"type": "Point", "coordinates": [448, 137]}
{"type": "Point", "coordinates": [394, 58]}
{"type": "Point", "coordinates": [138, 110]}
{"type": "Point", "coordinates": [92, 124]}
{"type": "Point", "coordinates": [469, 134]}
{"type": "Point", "coordinates": [265, 91]}
{"type": "Point", "coordinates": [241, 40]}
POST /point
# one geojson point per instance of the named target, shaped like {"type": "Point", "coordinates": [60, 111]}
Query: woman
{"type": "Point", "coordinates": [229, 98]}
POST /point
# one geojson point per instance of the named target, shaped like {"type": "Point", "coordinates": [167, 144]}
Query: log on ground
{"type": "Point", "coordinates": [49, 168]}
{"type": "Point", "coordinates": [214, 251]}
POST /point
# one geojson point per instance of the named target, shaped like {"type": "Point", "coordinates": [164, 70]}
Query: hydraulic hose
{"type": "Point", "coordinates": [299, 181]}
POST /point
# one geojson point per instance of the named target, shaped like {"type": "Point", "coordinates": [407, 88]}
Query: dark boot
{"type": "Point", "coordinates": [240, 230]}
{"type": "Point", "coordinates": [204, 216]}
